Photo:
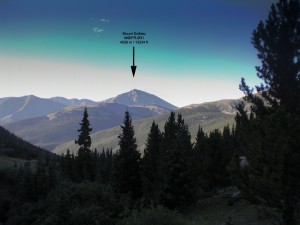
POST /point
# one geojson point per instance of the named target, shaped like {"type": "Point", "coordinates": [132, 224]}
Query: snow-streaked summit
{"type": "Point", "coordinates": [140, 98]}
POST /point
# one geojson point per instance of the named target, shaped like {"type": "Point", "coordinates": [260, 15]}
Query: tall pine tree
{"type": "Point", "coordinates": [200, 150]}
{"type": "Point", "coordinates": [127, 162]}
{"type": "Point", "coordinates": [277, 41]}
{"type": "Point", "coordinates": [84, 162]}
{"type": "Point", "coordinates": [179, 182]}
{"type": "Point", "coordinates": [152, 166]}
{"type": "Point", "coordinates": [269, 137]}
{"type": "Point", "coordinates": [169, 134]}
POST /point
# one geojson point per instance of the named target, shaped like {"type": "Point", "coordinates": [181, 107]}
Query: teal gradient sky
{"type": "Point", "coordinates": [198, 50]}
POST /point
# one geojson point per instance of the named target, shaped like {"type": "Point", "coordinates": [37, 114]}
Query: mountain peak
{"type": "Point", "coordinates": [137, 97]}
{"type": "Point", "coordinates": [134, 94]}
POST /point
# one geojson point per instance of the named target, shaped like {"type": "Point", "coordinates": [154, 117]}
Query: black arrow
{"type": "Point", "coordinates": [133, 67]}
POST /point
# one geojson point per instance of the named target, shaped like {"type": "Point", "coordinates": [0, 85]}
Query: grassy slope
{"type": "Point", "coordinates": [60, 127]}
{"type": "Point", "coordinates": [210, 116]}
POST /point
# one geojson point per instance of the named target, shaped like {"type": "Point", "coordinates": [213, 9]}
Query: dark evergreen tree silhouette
{"type": "Point", "coordinates": [269, 136]}
{"type": "Point", "coordinates": [179, 182]}
{"type": "Point", "coordinates": [218, 162]}
{"type": "Point", "coordinates": [168, 144]}
{"type": "Point", "coordinates": [213, 154]}
{"type": "Point", "coordinates": [127, 162]}
{"type": "Point", "coordinates": [211, 159]}
{"type": "Point", "coordinates": [200, 140]}
{"type": "Point", "coordinates": [84, 140]}
{"type": "Point", "coordinates": [152, 166]}
{"type": "Point", "coordinates": [84, 163]}
{"type": "Point", "coordinates": [169, 134]}
{"type": "Point", "coordinates": [199, 150]}
{"type": "Point", "coordinates": [227, 154]}
{"type": "Point", "coordinates": [277, 42]}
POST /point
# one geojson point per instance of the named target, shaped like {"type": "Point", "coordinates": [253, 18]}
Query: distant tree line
{"type": "Point", "coordinates": [173, 171]}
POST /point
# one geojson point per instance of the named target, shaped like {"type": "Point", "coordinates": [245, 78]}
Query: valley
{"type": "Point", "coordinates": [53, 123]}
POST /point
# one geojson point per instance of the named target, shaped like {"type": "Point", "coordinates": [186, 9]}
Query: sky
{"type": "Point", "coordinates": [197, 50]}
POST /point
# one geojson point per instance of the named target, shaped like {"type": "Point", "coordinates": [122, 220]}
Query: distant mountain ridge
{"type": "Point", "coordinates": [51, 122]}
{"type": "Point", "coordinates": [73, 101]}
{"type": "Point", "coordinates": [14, 109]}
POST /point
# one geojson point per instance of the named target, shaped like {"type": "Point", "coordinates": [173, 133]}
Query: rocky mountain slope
{"type": "Point", "coordinates": [137, 97]}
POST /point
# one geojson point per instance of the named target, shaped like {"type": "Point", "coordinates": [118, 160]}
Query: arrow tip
{"type": "Point", "coordinates": [133, 69]}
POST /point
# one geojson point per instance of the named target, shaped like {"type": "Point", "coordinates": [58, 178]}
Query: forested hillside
{"type": "Point", "coordinates": [17, 158]}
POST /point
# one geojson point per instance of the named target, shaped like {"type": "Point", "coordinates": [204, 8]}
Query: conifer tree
{"type": "Point", "coordinates": [220, 159]}
{"type": "Point", "coordinates": [168, 144]}
{"type": "Point", "coordinates": [169, 134]}
{"type": "Point", "coordinates": [152, 165]}
{"type": "Point", "coordinates": [200, 140]}
{"type": "Point", "coordinates": [84, 163]}
{"type": "Point", "coordinates": [179, 182]}
{"type": "Point", "coordinates": [127, 162]}
{"type": "Point", "coordinates": [212, 161]}
{"type": "Point", "coordinates": [277, 42]}
{"type": "Point", "coordinates": [200, 149]}
{"type": "Point", "coordinates": [228, 153]}
{"type": "Point", "coordinates": [213, 154]}
{"type": "Point", "coordinates": [84, 140]}
{"type": "Point", "coordinates": [269, 136]}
